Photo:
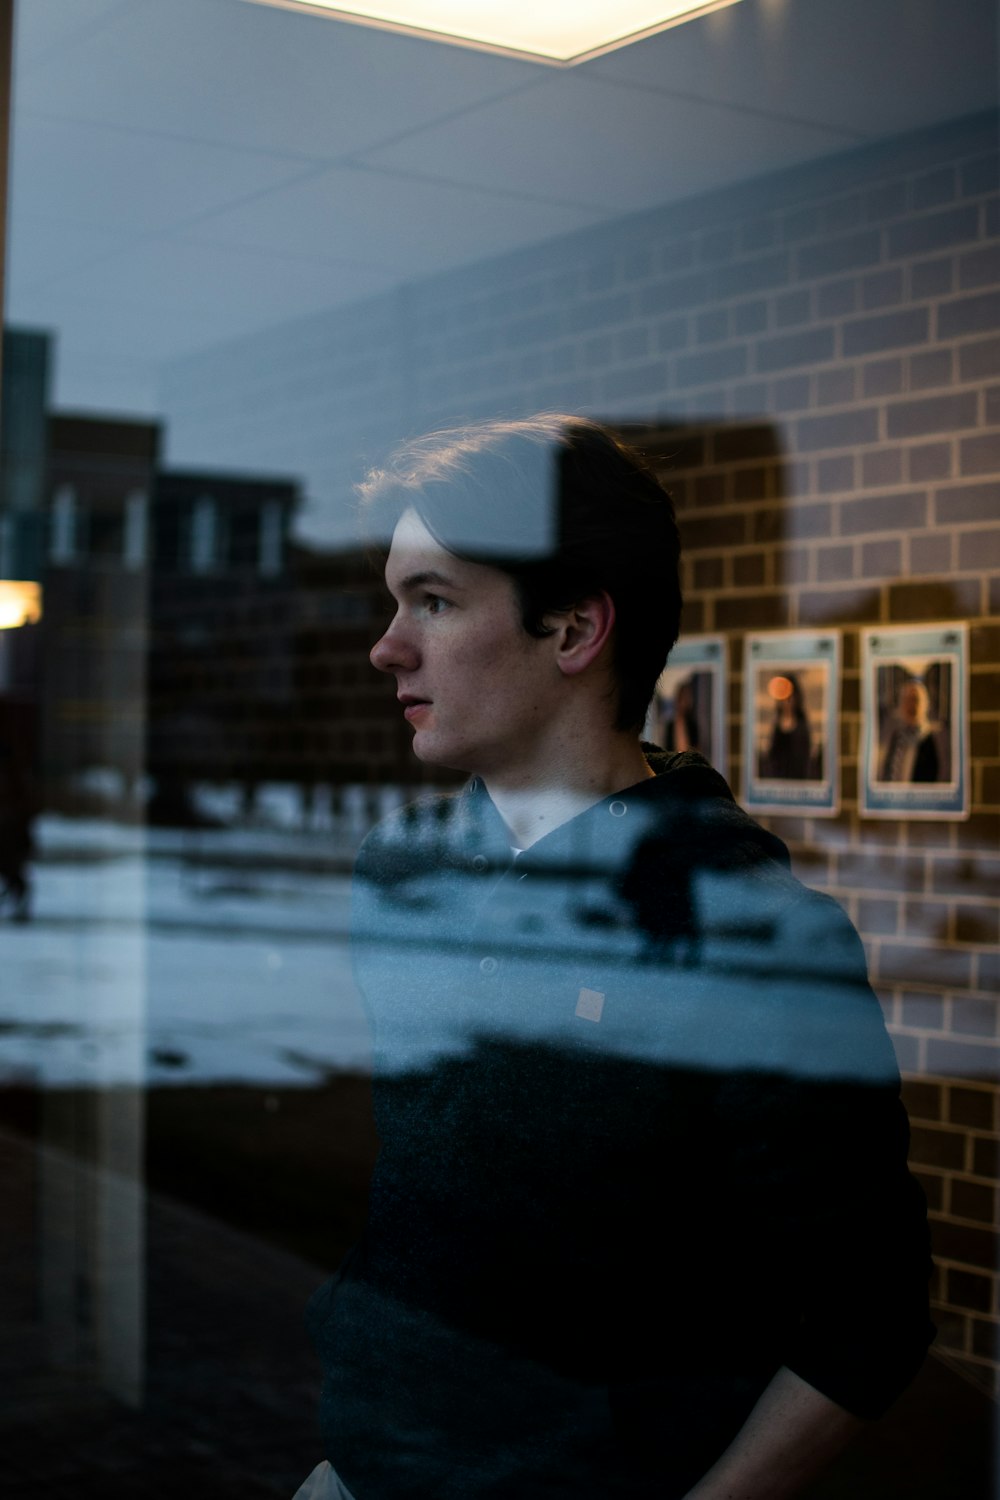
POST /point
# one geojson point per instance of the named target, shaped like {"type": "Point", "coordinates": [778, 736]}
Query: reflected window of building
{"type": "Point", "coordinates": [204, 535]}
{"type": "Point", "coordinates": [270, 554]}
{"type": "Point", "coordinates": [136, 527]}
{"type": "Point", "coordinates": [63, 534]}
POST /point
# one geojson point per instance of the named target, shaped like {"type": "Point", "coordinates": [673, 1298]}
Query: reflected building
{"type": "Point", "coordinates": [24, 447]}
{"type": "Point", "coordinates": [259, 668]}
{"type": "Point", "coordinates": [187, 639]}
{"type": "Point", "coordinates": [100, 475]}
{"type": "Point", "coordinates": [220, 651]}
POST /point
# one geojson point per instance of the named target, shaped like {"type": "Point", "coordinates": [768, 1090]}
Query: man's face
{"type": "Point", "coordinates": [476, 687]}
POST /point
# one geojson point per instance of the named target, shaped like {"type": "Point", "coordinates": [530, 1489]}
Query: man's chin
{"type": "Point", "coordinates": [423, 748]}
{"type": "Point", "coordinates": [430, 754]}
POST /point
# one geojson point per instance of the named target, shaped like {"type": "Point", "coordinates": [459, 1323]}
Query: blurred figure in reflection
{"type": "Point", "coordinates": [910, 752]}
{"type": "Point", "coordinates": [682, 727]}
{"type": "Point", "coordinates": [788, 756]}
{"type": "Point", "coordinates": [641, 1223]}
{"type": "Point", "coordinates": [15, 835]}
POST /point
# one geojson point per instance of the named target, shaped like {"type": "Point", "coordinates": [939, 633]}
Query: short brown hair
{"type": "Point", "coordinates": [566, 510]}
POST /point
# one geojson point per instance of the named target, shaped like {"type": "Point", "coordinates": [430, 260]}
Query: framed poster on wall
{"type": "Point", "coordinates": [688, 711]}
{"type": "Point", "coordinates": [791, 692]}
{"type": "Point", "coordinates": [914, 740]}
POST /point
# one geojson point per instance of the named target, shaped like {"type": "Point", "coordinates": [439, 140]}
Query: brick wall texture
{"type": "Point", "coordinates": [822, 349]}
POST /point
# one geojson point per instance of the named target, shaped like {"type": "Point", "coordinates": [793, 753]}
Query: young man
{"type": "Point", "coordinates": [641, 1223]}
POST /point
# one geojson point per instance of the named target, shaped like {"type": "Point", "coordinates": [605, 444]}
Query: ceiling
{"type": "Point", "coordinates": [188, 171]}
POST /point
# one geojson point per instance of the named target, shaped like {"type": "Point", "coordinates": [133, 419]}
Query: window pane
{"type": "Point", "coordinates": [252, 248]}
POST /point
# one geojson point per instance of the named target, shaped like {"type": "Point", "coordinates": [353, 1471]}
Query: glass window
{"type": "Point", "coordinates": [253, 248]}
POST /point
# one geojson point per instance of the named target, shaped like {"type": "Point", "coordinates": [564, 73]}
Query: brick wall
{"type": "Point", "coordinates": [829, 339]}
{"type": "Point", "coordinates": [923, 895]}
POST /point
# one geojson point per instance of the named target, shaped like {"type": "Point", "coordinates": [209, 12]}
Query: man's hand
{"type": "Point", "coordinates": [789, 1438]}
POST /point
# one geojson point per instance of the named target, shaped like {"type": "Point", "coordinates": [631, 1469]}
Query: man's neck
{"type": "Point", "coordinates": [531, 808]}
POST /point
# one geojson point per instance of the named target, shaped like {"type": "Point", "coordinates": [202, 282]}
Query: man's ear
{"type": "Point", "coordinates": [583, 632]}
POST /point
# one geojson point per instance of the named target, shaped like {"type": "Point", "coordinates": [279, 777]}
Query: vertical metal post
{"type": "Point", "coordinates": [6, 101]}
{"type": "Point", "coordinates": [91, 1204]}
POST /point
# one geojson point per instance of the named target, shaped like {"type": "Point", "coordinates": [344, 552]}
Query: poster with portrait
{"type": "Point", "coordinates": [914, 742]}
{"type": "Point", "coordinates": [688, 707]}
{"type": "Point", "coordinates": [791, 683]}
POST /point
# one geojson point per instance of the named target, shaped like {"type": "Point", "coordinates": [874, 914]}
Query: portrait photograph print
{"type": "Point", "coordinates": [688, 707]}
{"type": "Point", "coordinates": [791, 684]}
{"type": "Point", "coordinates": [914, 741]}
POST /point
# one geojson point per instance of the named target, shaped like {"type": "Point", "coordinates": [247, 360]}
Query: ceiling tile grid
{"type": "Point", "coordinates": [186, 171]}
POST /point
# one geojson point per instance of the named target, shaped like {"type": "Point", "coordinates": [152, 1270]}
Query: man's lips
{"type": "Point", "coordinates": [412, 706]}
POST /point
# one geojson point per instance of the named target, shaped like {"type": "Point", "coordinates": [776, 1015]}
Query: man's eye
{"type": "Point", "coordinates": [434, 604]}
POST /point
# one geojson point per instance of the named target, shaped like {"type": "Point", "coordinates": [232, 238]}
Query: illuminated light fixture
{"type": "Point", "coordinates": [558, 32]}
{"type": "Point", "coordinates": [20, 604]}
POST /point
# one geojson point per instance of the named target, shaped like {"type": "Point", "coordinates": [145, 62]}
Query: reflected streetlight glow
{"type": "Point", "coordinates": [20, 603]}
{"type": "Point", "coordinates": [560, 33]}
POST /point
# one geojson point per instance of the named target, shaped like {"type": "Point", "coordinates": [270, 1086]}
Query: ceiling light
{"type": "Point", "coordinates": [560, 32]}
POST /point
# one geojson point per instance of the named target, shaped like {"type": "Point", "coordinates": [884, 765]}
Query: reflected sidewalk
{"type": "Point", "coordinates": [232, 1384]}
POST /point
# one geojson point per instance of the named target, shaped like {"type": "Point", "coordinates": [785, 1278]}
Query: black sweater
{"type": "Point", "coordinates": [641, 1145]}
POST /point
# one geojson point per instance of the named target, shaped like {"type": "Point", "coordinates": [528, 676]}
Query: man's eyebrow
{"type": "Point", "coordinates": [414, 581]}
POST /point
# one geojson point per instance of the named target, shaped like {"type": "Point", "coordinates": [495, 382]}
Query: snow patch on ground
{"type": "Point", "coordinates": [159, 956]}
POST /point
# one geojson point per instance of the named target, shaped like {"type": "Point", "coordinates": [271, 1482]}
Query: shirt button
{"type": "Point", "coordinates": [618, 809]}
{"type": "Point", "coordinates": [487, 965]}
{"type": "Point", "coordinates": [480, 862]}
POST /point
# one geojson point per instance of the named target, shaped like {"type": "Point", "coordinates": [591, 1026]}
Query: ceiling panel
{"type": "Point", "coordinates": [106, 383]}
{"type": "Point", "coordinates": [45, 246]}
{"type": "Point", "coordinates": [191, 170]}
{"type": "Point", "coordinates": [398, 222]}
{"type": "Point", "coordinates": [261, 79]}
{"type": "Point", "coordinates": [127, 181]}
{"type": "Point", "coordinates": [186, 296]}
{"type": "Point", "coordinates": [100, 327]}
{"type": "Point", "coordinates": [875, 67]}
{"type": "Point", "coordinates": [590, 141]}
{"type": "Point", "coordinates": [45, 26]}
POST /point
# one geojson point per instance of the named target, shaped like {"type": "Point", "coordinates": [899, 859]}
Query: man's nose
{"type": "Point", "coordinates": [392, 652]}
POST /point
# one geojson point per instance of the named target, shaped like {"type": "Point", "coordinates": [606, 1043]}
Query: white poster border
{"type": "Point", "coordinates": [914, 647]}
{"type": "Point", "coordinates": [709, 654]}
{"type": "Point", "coordinates": [794, 650]}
